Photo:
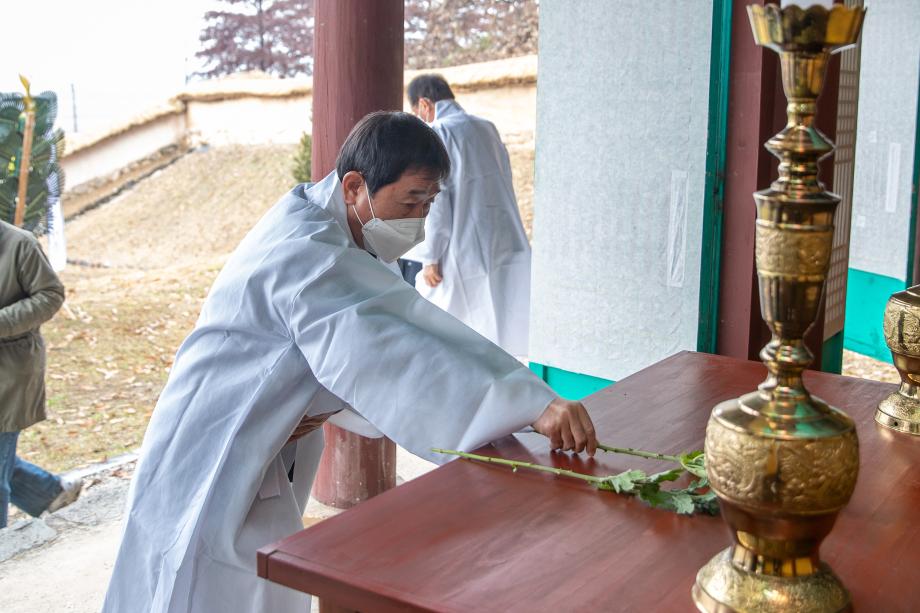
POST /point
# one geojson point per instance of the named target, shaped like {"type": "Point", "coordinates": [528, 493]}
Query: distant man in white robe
{"type": "Point", "coordinates": [475, 258]}
{"type": "Point", "coordinates": [309, 321]}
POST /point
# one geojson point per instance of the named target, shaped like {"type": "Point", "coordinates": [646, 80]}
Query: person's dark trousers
{"type": "Point", "coordinates": [29, 487]}
{"type": "Point", "coordinates": [409, 268]}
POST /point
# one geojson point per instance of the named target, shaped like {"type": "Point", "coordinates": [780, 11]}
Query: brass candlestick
{"type": "Point", "coordinates": [783, 462]}
{"type": "Point", "coordinates": [901, 410]}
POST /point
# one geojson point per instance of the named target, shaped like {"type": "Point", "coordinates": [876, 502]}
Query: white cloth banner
{"type": "Point", "coordinates": [57, 243]}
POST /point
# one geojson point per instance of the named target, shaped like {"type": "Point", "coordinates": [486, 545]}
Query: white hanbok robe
{"type": "Point", "coordinates": [299, 321]}
{"type": "Point", "coordinates": [474, 231]}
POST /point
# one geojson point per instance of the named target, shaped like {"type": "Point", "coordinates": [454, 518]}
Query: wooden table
{"type": "Point", "coordinates": [476, 537]}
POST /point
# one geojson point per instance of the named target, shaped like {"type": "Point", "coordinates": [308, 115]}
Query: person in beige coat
{"type": "Point", "coordinates": [30, 294]}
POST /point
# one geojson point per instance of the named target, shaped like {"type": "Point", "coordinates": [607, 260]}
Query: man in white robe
{"type": "Point", "coordinates": [475, 257]}
{"type": "Point", "coordinates": [303, 322]}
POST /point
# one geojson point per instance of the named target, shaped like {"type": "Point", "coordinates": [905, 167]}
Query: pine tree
{"type": "Point", "coordinates": [303, 159]}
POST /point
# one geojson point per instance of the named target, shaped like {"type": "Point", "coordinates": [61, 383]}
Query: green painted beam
{"type": "Point", "coordinates": [867, 294]}
{"type": "Point", "coordinates": [832, 354]}
{"type": "Point", "coordinates": [914, 199]}
{"type": "Point", "coordinates": [567, 384]}
{"type": "Point", "coordinates": [715, 176]}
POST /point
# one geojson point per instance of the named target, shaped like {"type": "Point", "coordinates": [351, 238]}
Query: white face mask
{"type": "Point", "coordinates": [390, 238]}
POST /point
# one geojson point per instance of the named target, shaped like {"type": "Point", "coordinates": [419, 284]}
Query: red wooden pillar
{"type": "Point", "coordinates": [358, 69]}
{"type": "Point", "coordinates": [756, 111]}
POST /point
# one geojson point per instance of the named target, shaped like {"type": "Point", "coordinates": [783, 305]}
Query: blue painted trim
{"type": "Point", "coordinates": [914, 199]}
{"type": "Point", "coordinates": [832, 354]}
{"type": "Point", "coordinates": [713, 203]}
{"type": "Point", "coordinates": [867, 295]}
{"type": "Point", "coordinates": [569, 384]}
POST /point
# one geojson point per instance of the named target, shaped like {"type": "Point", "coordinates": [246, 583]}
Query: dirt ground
{"type": "Point", "coordinates": [522, 172]}
{"type": "Point", "coordinates": [864, 367]}
{"type": "Point", "coordinates": [194, 210]}
{"type": "Point", "coordinates": [109, 353]}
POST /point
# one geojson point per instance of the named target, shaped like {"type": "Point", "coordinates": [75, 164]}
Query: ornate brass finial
{"type": "Point", "coordinates": [783, 462]}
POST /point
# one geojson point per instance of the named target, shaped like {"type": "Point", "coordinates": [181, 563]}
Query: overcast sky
{"type": "Point", "coordinates": [120, 55]}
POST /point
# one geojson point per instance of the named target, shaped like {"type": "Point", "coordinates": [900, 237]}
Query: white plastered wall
{"type": "Point", "coordinates": [885, 141]}
{"type": "Point", "coordinates": [111, 154]}
{"type": "Point", "coordinates": [512, 108]}
{"type": "Point", "coordinates": [622, 106]}
{"type": "Point", "coordinates": [250, 120]}
{"type": "Point", "coordinates": [255, 120]}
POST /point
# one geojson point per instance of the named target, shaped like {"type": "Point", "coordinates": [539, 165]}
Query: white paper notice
{"type": "Point", "coordinates": [891, 181]}
{"type": "Point", "coordinates": [677, 227]}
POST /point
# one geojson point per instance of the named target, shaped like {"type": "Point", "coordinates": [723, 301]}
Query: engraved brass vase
{"type": "Point", "coordinates": [783, 462]}
{"type": "Point", "coordinates": [901, 410]}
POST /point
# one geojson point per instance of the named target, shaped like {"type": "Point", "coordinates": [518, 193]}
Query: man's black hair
{"type": "Point", "coordinates": [431, 86]}
{"type": "Point", "coordinates": [384, 145]}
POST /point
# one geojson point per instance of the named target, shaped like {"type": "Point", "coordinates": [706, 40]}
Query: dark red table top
{"type": "Point", "coordinates": [476, 537]}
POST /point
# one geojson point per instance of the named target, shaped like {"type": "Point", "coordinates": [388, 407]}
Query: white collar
{"type": "Point", "coordinates": [329, 195]}
{"type": "Point", "coordinates": [445, 108]}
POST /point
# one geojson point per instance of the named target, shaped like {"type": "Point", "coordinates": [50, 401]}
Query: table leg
{"type": "Point", "coordinates": [325, 606]}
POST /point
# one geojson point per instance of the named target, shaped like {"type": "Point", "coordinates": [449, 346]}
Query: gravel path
{"type": "Point", "coordinates": [857, 365]}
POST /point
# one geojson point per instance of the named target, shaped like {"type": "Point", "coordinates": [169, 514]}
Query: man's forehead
{"type": "Point", "coordinates": [431, 190]}
{"type": "Point", "coordinates": [420, 185]}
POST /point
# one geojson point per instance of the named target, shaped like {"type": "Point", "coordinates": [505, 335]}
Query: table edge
{"type": "Point", "coordinates": [331, 582]}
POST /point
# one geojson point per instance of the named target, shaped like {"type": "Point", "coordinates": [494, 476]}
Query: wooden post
{"type": "Point", "coordinates": [24, 166]}
{"type": "Point", "coordinates": [358, 69]}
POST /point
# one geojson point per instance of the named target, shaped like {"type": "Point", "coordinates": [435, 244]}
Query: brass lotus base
{"type": "Point", "coordinates": [723, 587]}
{"type": "Point", "coordinates": [899, 412]}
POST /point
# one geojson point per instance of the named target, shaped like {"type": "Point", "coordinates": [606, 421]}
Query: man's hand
{"type": "Point", "coordinates": [432, 274]}
{"type": "Point", "coordinates": [567, 426]}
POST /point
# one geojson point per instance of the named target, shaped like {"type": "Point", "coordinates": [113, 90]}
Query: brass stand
{"type": "Point", "coordinates": [901, 410]}
{"type": "Point", "coordinates": [783, 462]}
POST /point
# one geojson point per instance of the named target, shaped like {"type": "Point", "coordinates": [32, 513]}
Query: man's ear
{"type": "Point", "coordinates": [352, 184]}
{"type": "Point", "coordinates": [424, 108]}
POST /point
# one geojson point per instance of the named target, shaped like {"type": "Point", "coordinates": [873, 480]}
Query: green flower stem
{"type": "Point", "coordinates": [516, 464]}
{"type": "Point", "coordinates": [638, 452]}
{"type": "Point", "coordinates": [631, 482]}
